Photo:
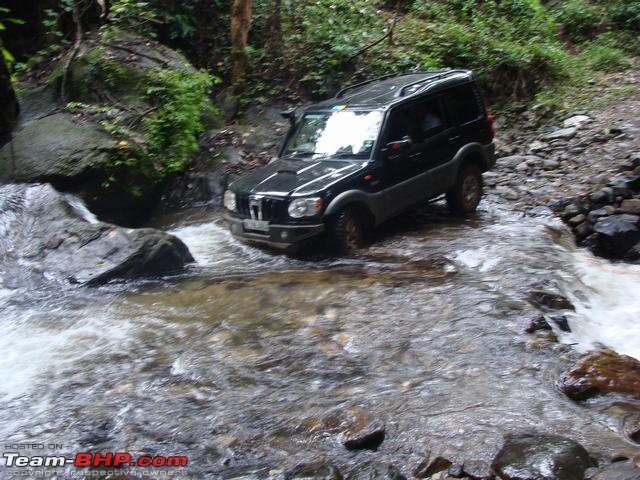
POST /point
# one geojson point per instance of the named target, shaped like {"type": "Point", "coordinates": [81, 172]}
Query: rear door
{"type": "Point", "coordinates": [464, 104]}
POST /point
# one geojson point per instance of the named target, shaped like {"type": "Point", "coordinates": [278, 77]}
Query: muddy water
{"type": "Point", "coordinates": [237, 362]}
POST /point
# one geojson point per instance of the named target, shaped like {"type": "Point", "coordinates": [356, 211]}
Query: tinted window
{"type": "Point", "coordinates": [464, 103]}
{"type": "Point", "coordinates": [418, 121]}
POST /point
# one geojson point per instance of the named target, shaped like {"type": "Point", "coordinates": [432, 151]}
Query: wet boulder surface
{"type": "Point", "coordinates": [43, 237]}
{"type": "Point", "coordinates": [538, 456]}
{"type": "Point", "coordinates": [600, 373]}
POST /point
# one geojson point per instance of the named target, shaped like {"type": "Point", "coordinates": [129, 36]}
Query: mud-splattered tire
{"type": "Point", "coordinates": [345, 232]}
{"type": "Point", "coordinates": [467, 193]}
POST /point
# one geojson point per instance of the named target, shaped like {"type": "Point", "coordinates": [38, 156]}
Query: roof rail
{"type": "Point", "coordinates": [362, 84]}
{"type": "Point", "coordinates": [401, 92]}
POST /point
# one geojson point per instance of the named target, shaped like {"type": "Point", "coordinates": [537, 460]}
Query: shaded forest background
{"type": "Point", "coordinates": [527, 52]}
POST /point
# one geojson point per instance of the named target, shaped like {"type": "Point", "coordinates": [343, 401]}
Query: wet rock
{"type": "Point", "coordinates": [570, 211]}
{"type": "Point", "coordinates": [364, 434]}
{"type": "Point", "coordinates": [562, 322]}
{"type": "Point", "coordinates": [599, 213]}
{"type": "Point", "coordinates": [576, 121]}
{"type": "Point", "coordinates": [507, 192]}
{"type": "Point", "coordinates": [620, 188]}
{"type": "Point", "coordinates": [538, 323]}
{"type": "Point", "coordinates": [549, 300]}
{"type": "Point", "coordinates": [563, 133]}
{"type": "Point", "coordinates": [583, 230]}
{"type": "Point", "coordinates": [606, 195]}
{"type": "Point", "coordinates": [313, 472]}
{"type": "Point", "coordinates": [617, 234]}
{"type": "Point", "coordinates": [380, 471]}
{"type": "Point", "coordinates": [538, 146]}
{"type": "Point", "coordinates": [616, 471]}
{"type": "Point", "coordinates": [551, 164]}
{"type": "Point", "coordinates": [194, 190]}
{"type": "Point", "coordinates": [431, 466]}
{"type": "Point", "coordinates": [513, 161]}
{"type": "Point", "coordinates": [630, 206]}
{"type": "Point", "coordinates": [601, 373]}
{"type": "Point", "coordinates": [46, 237]}
{"type": "Point", "coordinates": [577, 220]}
{"type": "Point", "coordinates": [631, 428]}
{"type": "Point", "coordinates": [534, 456]}
{"type": "Point", "coordinates": [54, 147]}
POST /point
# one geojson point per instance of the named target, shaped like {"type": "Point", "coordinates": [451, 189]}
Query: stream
{"type": "Point", "coordinates": [238, 362]}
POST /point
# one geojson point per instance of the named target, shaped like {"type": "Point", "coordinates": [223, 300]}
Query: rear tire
{"type": "Point", "coordinates": [465, 196]}
{"type": "Point", "coordinates": [345, 232]}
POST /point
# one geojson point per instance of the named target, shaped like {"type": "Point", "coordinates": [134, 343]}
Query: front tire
{"type": "Point", "coordinates": [465, 196]}
{"type": "Point", "coordinates": [345, 232]}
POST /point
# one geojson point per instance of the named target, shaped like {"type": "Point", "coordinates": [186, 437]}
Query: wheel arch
{"type": "Point", "coordinates": [353, 199]}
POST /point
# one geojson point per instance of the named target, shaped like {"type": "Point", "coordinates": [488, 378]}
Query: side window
{"type": "Point", "coordinates": [464, 103]}
{"type": "Point", "coordinates": [418, 122]}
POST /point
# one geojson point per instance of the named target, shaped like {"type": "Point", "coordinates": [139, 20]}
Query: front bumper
{"type": "Point", "coordinates": [282, 237]}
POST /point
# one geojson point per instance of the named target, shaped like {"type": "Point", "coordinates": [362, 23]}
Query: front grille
{"type": "Point", "coordinates": [272, 208]}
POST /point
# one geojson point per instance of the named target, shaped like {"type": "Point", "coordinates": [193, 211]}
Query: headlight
{"type": "Point", "coordinates": [305, 207]}
{"type": "Point", "coordinates": [230, 200]}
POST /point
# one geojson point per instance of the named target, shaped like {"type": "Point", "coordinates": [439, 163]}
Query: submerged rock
{"type": "Point", "coordinates": [380, 471]}
{"type": "Point", "coordinates": [600, 373]}
{"type": "Point", "coordinates": [535, 456]}
{"type": "Point", "coordinates": [43, 236]}
{"type": "Point", "coordinates": [550, 300]}
{"type": "Point", "coordinates": [313, 472]}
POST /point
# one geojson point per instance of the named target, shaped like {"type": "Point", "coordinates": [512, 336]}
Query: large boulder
{"type": "Point", "coordinates": [536, 456]}
{"type": "Point", "coordinates": [44, 236]}
{"type": "Point", "coordinates": [106, 141]}
{"type": "Point", "coordinates": [55, 148]}
{"type": "Point", "coordinates": [600, 373]}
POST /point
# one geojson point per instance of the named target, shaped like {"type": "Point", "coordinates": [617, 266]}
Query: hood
{"type": "Point", "coordinates": [298, 177]}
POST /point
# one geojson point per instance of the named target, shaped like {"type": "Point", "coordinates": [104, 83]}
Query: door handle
{"type": "Point", "coordinates": [453, 139]}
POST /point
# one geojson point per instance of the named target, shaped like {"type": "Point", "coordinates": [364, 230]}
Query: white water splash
{"type": "Point", "coordinates": [607, 300]}
{"type": "Point", "coordinates": [81, 208]}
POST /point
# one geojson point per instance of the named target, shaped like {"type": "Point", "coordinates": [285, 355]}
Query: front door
{"type": "Point", "coordinates": [432, 143]}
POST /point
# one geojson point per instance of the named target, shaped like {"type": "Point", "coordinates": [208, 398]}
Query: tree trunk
{"type": "Point", "coordinates": [9, 107]}
{"type": "Point", "coordinates": [240, 26]}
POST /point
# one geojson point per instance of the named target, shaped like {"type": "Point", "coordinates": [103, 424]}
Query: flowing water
{"type": "Point", "coordinates": [239, 362]}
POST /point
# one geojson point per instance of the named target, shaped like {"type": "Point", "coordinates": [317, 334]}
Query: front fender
{"type": "Point", "coordinates": [350, 197]}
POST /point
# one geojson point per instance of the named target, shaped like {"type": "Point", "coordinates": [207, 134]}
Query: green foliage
{"type": "Point", "coordinates": [579, 19]}
{"type": "Point", "coordinates": [603, 55]}
{"type": "Point", "coordinates": [134, 15]}
{"type": "Point", "coordinates": [4, 20]}
{"type": "Point", "coordinates": [171, 130]}
{"type": "Point", "coordinates": [625, 13]}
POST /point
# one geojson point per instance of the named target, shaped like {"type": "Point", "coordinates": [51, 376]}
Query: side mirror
{"type": "Point", "coordinates": [397, 148]}
{"type": "Point", "coordinates": [290, 115]}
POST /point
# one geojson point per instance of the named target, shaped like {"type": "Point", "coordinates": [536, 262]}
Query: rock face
{"type": "Point", "coordinates": [55, 148]}
{"type": "Point", "coordinates": [43, 236]}
{"type": "Point", "coordinates": [600, 373]}
{"type": "Point", "coordinates": [537, 456]}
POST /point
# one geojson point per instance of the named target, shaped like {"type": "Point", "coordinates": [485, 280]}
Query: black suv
{"type": "Point", "coordinates": [358, 159]}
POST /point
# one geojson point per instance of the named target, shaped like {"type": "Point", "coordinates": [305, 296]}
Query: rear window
{"type": "Point", "coordinates": [464, 103]}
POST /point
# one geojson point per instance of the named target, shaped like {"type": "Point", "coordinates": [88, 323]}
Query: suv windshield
{"type": "Point", "coordinates": [344, 133]}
